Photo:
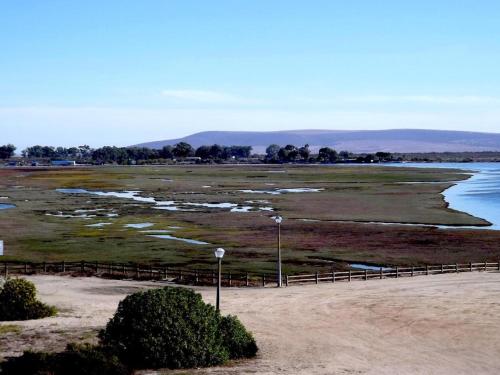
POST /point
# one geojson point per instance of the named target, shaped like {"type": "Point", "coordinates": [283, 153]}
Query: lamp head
{"type": "Point", "coordinates": [219, 253]}
{"type": "Point", "coordinates": [278, 219]}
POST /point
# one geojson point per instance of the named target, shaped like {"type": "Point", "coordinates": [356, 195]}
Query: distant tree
{"type": "Point", "coordinates": [183, 150]}
{"type": "Point", "coordinates": [344, 155]}
{"type": "Point", "coordinates": [384, 155]}
{"type": "Point", "coordinates": [272, 153]}
{"type": "Point", "coordinates": [216, 152]}
{"type": "Point", "coordinates": [289, 153]}
{"type": "Point", "coordinates": [7, 151]}
{"type": "Point", "coordinates": [369, 158]}
{"type": "Point", "coordinates": [85, 152]}
{"type": "Point", "coordinates": [239, 152]}
{"type": "Point", "coordinates": [166, 152]}
{"type": "Point", "coordinates": [327, 155]}
{"type": "Point", "coordinates": [203, 152]}
{"type": "Point", "coordinates": [304, 152]}
{"type": "Point", "coordinates": [109, 154]}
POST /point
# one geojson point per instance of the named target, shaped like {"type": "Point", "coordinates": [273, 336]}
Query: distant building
{"type": "Point", "coordinates": [63, 163]}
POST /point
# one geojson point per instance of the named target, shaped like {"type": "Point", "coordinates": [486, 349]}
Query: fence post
{"type": "Point", "coordinates": [317, 277]}
{"type": "Point", "coordinates": [63, 266]}
{"type": "Point", "coordinates": [366, 275]}
{"type": "Point", "coordinates": [333, 276]}
{"type": "Point", "coordinates": [412, 270]}
{"type": "Point", "coordinates": [456, 267]}
{"type": "Point", "coordinates": [110, 268]}
{"type": "Point", "coordinates": [264, 280]}
{"type": "Point", "coordinates": [381, 273]}
{"type": "Point", "coordinates": [470, 266]}
{"type": "Point", "coordinates": [247, 280]}
{"type": "Point", "coordinates": [96, 267]}
{"type": "Point", "coordinates": [196, 277]}
{"type": "Point", "coordinates": [286, 280]}
{"type": "Point", "coordinates": [442, 268]}
{"type": "Point", "coordinates": [214, 281]}
{"type": "Point", "coordinates": [151, 272]}
{"type": "Point", "coordinates": [349, 275]}
{"type": "Point", "coordinates": [82, 266]}
{"type": "Point", "coordinates": [397, 272]}
{"type": "Point", "coordinates": [165, 273]}
{"type": "Point", "coordinates": [485, 266]}
{"type": "Point", "coordinates": [25, 268]}
{"type": "Point", "coordinates": [230, 279]}
{"type": "Point", "coordinates": [427, 269]}
{"type": "Point", "coordinates": [124, 271]}
{"type": "Point", "coordinates": [137, 273]}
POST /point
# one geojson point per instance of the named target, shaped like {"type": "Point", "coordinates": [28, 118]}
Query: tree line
{"type": "Point", "coordinates": [182, 150]}
{"type": "Point", "coordinates": [293, 154]}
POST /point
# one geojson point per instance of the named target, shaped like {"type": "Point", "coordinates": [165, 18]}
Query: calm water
{"type": "Point", "coordinates": [479, 195]}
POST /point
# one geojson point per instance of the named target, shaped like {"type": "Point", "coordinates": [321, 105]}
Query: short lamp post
{"type": "Point", "coordinates": [219, 254]}
{"type": "Point", "coordinates": [279, 280]}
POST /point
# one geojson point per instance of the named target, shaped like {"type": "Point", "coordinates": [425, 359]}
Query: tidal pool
{"type": "Point", "coordinates": [169, 237]}
{"type": "Point", "coordinates": [168, 205]}
{"type": "Point", "coordinates": [139, 225]}
{"type": "Point", "coordinates": [368, 267]}
{"type": "Point", "coordinates": [281, 191]}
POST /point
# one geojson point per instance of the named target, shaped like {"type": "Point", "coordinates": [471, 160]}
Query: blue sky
{"type": "Point", "coordinates": [123, 72]}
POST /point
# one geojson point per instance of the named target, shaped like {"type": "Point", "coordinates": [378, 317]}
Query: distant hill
{"type": "Point", "coordinates": [397, 140]}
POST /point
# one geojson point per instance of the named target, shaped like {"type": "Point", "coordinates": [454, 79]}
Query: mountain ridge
{"type": "Point", "coordinates": [358, 141]}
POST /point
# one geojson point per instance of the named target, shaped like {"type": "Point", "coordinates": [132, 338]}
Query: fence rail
{"type": "Point", "coordinates": [208, 277]}
{"type": "Point", "coordinates": [137, 272]}
{"type": "Point", "coordinates": [396, 272]}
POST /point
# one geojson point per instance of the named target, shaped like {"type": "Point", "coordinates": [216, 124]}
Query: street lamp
{"type": "Point", "coordinates": [278, 219]}
{"type": "Point", "coordinates": [219, 254]}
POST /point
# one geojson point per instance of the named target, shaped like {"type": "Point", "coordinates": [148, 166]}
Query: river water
{"type": "Point", "coordinates": [479, 195]}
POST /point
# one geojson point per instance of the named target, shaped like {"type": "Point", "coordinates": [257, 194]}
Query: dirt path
{"type": "Point", "coordinates": [439, 324]}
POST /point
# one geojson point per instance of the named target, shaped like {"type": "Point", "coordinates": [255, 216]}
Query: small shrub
{"type": "Point", "coordinates": [18, 302]}
{"type": "Point", "coordinates": [75, 360]}
{"type": "Point", "coordinates": [174, 328]}
{"type": "Point", "coordinates": [169, 327]}
{"type": "Point", "coordinates": [238, 341]}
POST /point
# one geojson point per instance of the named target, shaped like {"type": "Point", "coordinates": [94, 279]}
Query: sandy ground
{"type": "Point", "coordinates": [442, 324]}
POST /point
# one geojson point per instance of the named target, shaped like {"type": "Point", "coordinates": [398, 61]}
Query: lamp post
{"type": "Point", "coordinates": [278, 220]}
{"type": "Point", "coordinates": [219, 254]}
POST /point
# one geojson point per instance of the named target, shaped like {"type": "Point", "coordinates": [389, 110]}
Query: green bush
{"type": "Point", "coordinates": [172, 328]}
{"type": "Point", "coordinates": [75, 360]}
{"type": "Point", "coordinates": [238, 341]}
{"type": "Point", "coordinates": [18, 302]}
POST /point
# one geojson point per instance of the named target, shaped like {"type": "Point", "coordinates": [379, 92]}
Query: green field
{"type": "Point", "coordinates": [38, 229]}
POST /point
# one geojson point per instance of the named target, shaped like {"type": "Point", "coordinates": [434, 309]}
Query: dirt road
{"type": "Point", "coordinates": [442, 324]}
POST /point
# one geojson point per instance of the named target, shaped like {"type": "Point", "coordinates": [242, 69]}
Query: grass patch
{"type": "Point", "coordinates": [9, 328]}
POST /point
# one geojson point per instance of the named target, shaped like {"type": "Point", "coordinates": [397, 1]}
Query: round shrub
{"type": "Point", "coordinates": [18, 302]}
{"type": "Point", "coordinates": [168, 328]}
{"type": "Point", "coordinates": [238, 341]}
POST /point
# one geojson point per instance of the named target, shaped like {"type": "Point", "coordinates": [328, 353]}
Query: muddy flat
{"type": "Point", "coordinates": [438, 324]}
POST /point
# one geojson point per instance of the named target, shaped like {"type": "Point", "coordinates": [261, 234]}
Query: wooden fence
{"type": "Point", "coordinates": [396, 272]}
{"type": "Point", "coordinates": [137, 272]}
{"type": "Point", "coordinates": [229, 279]}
